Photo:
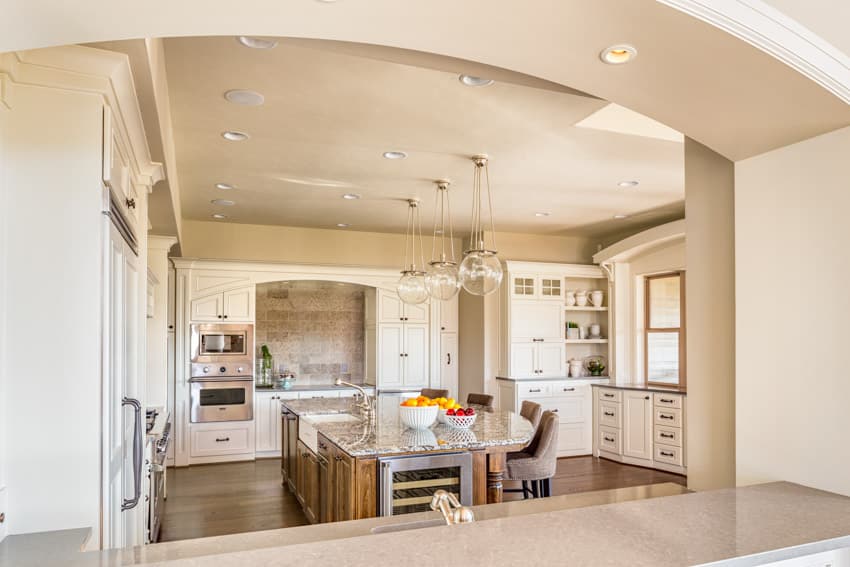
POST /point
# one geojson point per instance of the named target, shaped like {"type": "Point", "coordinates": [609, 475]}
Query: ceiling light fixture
{"type": "Point", "coordinates": [342, 225]}
{"type": "Point", "coordinates": [442, 280]}
{"type": "Point", "coordinates": [620, 217]}
{"type": "Point", "coordinates": [351, 196]}
{"type": "Point", "coordinates": [223, 202]}
{"type": "Point", "coordinates": [628, 183]}
{"type": "Point", "coordinates": [542, 214]}
{"type": "Point", "coordinates": [257, 42]}
{"type": "Point", "coordinates": [473, 81]}
{"type": "Point", "coordinates": [245, 97]}
{"type": "Point", "coordinates": [395, 155]}
{"type": "Point", "coordinates": [225, 186]}
{"type": "Point", "coordinates": [411, 285]}
{"type": "Point", "coordinates": [618, 54]}
{"type": "Point", "coordinates": [234, 136]}
{"type": "Point", "coordinates": [480, 272]}
{"type": "Point", "coordinates": [219, 216]}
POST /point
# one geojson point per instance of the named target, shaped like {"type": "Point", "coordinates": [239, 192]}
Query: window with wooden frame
{"type": "Point", "coordinates": [664, 329]}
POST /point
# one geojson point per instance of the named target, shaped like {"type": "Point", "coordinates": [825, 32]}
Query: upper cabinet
{"type": "Point", "coordinates": [536, 286]}
{"type": "Point", "coordinates": [449, 315]}
{"type": "Point", "coordinates": [117, 173]}
{"type": "Point", "coordinates": [403, 353]}
{"type": "Point", "coordinates": [235, 305]}
{"type": "Point", "coordinates": [537, 321]}
{"type": "Point", "coordinates": [391, 309]}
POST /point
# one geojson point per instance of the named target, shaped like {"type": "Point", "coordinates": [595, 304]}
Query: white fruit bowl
{"type": "Point", "coordinates": [418, 417]}
{"type": "Point", "coordinates": [460, 421]}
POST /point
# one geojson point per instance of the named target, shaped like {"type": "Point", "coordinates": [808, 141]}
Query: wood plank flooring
{"type": "Point", "coordinates": [210, 500]}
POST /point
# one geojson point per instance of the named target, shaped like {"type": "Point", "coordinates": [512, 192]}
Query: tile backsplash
{"type": "Point", "coordinates": [313, 329]}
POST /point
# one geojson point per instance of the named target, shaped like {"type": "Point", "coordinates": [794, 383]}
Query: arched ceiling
{"type": "Point", "coordinates": [689, 75]}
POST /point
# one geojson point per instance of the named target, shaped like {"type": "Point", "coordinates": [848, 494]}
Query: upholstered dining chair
{"type": "Point", "coordinates": [536, 464]}
{"type": "Point", "coordinates": [435, 393]}
{"type": "Point", "coordinates": [532, 412]}
{"type": "Point", "coordinates": [485, 400]}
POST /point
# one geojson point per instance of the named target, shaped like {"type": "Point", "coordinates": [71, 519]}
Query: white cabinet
{"type": "Point", "coordinates": [223, 441]}
{"type": "Point", "coordinates": [449, 315]}
{"type": "Point", "coordinates": [537, 360]}
{"type": "Point", "coordinates": [391, 309]}
{"type": "Point", "coordinates": [402, 355]}
{"type": "Point", "coordinates": [448, 363]}
{"type": "Point", "coordinates": [537, 286]}
{"type": "Point", "coordinates": [235, 305]}
{"type": "Point", "coordinates": [537, 321]}
{"type": "Point", "coordinates": [267, 422]}
{"type": "Point", "coordinates": [415, 372]}
{"type": "Point", "coordinates": [117, 173]}
{"type": "Point", "coordinates": [523, 360]}
{"type": "Point", "coordinates": [637, 424]}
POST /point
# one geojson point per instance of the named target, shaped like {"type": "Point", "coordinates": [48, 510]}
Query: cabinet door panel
{"type": "Point", "coordinates": [523, 286]}
{"type": "Point", "coordinates": [522, 360]}
{"type": "Point", "coordinates": [265, 421]}
{"type": "Point", "coordinates": [415, 355]}
{"type": "Point", "coordinates": [390, 307]}
{"type": "Point", "coordinates": [448, 362]}
{"type": "Point", "coordinates": [551, 287]}
{"type": "Point", "coordinates": [416, 313]}
{"type": "Point", "coordinates": [550, 359]}
{"type": "Point", "coordinates": [637, 425]}
{"type": "Point", "coordinates": [449, 315]}
{"type": "Point", "coordinates": [537, 320]}
{"type": "Point", "coordinates": [207, 308]}
{"type": "Point", "coordinates": [390, 349]}
{"type": "Point", "coordinates": [239, 304]}
{"type": "Point", "coordinates": [574, 439]}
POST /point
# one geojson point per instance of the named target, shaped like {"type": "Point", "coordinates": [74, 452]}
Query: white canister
{"type": "Point", "coordinates": [596, 298]}
{"type": "Point", "coordinates": [576, 368]}
{"type": "Point", "coordinates": [581, 298]}
{"type": "Point", "coordinates": [594, 330]}
{"type": "Point", "coordinates": [571, 298]}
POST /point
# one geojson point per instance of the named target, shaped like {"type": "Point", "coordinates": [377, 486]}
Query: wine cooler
{"type": "Point", "coordinates": [407, 484]}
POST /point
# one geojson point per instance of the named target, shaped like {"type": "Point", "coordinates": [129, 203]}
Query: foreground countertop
{"type": "Point", "coordinates": [735, 527]}
{"type": "Point", "coordinates": [385, 434]}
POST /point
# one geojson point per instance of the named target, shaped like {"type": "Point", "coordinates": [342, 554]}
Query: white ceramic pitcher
{"type": "Point", "coordinates": [581, 298]}
{"type": "Point", "coordinates": [596, 298]}
{"type": "Point", "coordinates": [571, 298]}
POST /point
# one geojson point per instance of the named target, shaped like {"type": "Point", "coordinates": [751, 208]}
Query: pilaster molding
{"type": "Point", "coordinates": [88, 70]}
{"type": "Point", "coordinates": [156, 242]}
{"type": "Point", "coordinates": [768, 29]}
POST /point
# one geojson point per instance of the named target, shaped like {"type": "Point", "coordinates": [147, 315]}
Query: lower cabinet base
{"type": "Point", "coordinates": [220, 459]}
{"type": "Point", "coordinates": [646, 463]}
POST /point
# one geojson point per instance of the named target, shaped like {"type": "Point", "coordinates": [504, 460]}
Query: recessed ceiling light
{"type": "Point", "coordinates": [257, 42]}
{"type": "Point", "coordinates": [342, 225]}
{"type": "Point", "coordinates": [621, 217]}
{"type": "Point", "coordinates": [628, 183]}
{"type": "Point", "coordinates": [473, 81]}
{"type": "Point", "coordinates": [438, 231]}
{"type": "Point", "coordinates": [351, 196]}
{"type": "Point", "coordinates": [234, 136]}
{"type": "Point", "coordinates": [225, 186]}
{"type": "Point", "coordinates": [223, 202]}
{"type": "Point", "coordinates": [395, 155]}
{"type": "Point", "coordinates": [618, 54]}
{"type": "Point", "coordinates": [219, 216]}
{"type": "Point", "coordinates": [542, 214]}
{"type": "Point", "coordinates": [246, 97]}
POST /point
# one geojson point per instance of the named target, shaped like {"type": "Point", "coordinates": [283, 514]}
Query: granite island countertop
{"type": "Point", "coordinates": [385, 434]}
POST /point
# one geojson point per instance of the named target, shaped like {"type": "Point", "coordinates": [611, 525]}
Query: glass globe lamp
{"type": "Point", "coordinates": [442, 280]}
{"type": "Point", "coordinates": [411, 287]}
{"type": "Point", "coordinates": [480, 272]}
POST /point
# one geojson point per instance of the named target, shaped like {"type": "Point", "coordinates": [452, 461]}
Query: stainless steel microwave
{"type": "Point", "coordinates": [215, 342]}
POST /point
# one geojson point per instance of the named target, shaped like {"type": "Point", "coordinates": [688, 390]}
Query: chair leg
{"type": "Point", "coordinates": [525, 490]}
{"type": "Point", "coordinates": [534, 489]}
{"type": "Point", "coordinates": [547, 486]}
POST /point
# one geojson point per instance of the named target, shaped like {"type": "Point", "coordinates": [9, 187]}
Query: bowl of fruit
{"type": "Point", "coordinates": [418, 413]}
{"type": "Point", "coordinates": [460, 418]}
{"type": "Point", "coordinates": [445, 405]}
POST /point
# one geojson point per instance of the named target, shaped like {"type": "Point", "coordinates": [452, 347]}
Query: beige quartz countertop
{"type": "Point", "coordinates": [736, 527]}
{"type": "Point", "coordinates": [644, 388]}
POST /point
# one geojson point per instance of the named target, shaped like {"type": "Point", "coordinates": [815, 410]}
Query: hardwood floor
{"type": "Point", "coordinates": [210, 500]}
{"type": "Point", "coordinates": [228, 498]}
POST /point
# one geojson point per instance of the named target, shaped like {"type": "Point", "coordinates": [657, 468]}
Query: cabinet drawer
{"type": "Point", "coordinates": [669, 417]}
{"type": "Point", "coordinates": [610, 395]}
{"type": "Point", "coordinates": [610, 414]}
{"type": "Point", "coordinates": [210, 442]}
{"type": "Point", "coordinates": [668, 435]}
{"type": "Point", "coordinates": [610, 440]}
{"type": "Point", "coordinates": [566, 389]}
{"type": "Point", "coordinates": [668, 454]}
{"type": "Point", "coordinates": [534, 390]}
{"type": "Point", "coordinates": [318, 394]}
{"type": "Point", "coordinates": [667, 400]}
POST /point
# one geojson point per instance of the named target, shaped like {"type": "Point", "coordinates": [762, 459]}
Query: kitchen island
{"type": "Point", "coordinates": [332, 453]}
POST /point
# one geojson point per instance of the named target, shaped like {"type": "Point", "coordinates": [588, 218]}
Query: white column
{"type": "Point", "coordinates": [157, 325]}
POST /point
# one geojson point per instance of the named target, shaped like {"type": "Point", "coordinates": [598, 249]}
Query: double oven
{"type": "Point", "coordinates": [222, 373]}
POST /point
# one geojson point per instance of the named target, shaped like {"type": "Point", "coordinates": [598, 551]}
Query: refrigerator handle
{"type": "Point", "coordinates": [386, 502]}
{"type": "Point", "coordinates": [137, 454]}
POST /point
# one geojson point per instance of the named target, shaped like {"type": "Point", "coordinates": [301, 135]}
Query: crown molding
{"type": "Point", "coordinates": [771, 31]}
{"type": "Point", "coordinates": [88, 70]}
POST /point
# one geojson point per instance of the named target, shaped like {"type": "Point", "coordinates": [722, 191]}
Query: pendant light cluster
{"type": "Point", "coordinates": [480, 272]}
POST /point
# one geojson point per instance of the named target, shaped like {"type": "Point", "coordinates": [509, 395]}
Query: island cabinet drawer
{"type": "Point", "coordinates": [212, 442]}
{"type": "Point", "coordinates": [668, 435]}
{"type": "Point", "coordinates": [610, 395]}
{"type": "Point", "coordinates": [667, 400]}
{"type": "Point", "coordinates": [610, 414]}
{"type": "Point", "coordinates": [319, 394]}
{"type": "Point", "coordinates": [668, 454]}
{"type": "Point", "coordinates": [669, 417]}
{"type": "Point", "coordinates": [527, 390]}
{"type": "Point", "coordinates": [610, 440]}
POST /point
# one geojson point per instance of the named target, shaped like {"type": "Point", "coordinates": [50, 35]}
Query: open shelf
{"type": "Point", "coordinates": [586, 308]}
{"type": "Point", "coordinates": [586, 341]}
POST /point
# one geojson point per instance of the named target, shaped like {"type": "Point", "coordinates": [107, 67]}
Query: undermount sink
{"type": "Point", "coordinates": [309, 434]}
{"type": "Point", "coordinates": [389, 528]}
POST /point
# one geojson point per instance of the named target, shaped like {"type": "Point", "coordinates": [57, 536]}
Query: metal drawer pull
{"type": "Point", "coordinates": [662, 416]}
{"type": "Point", "coordinates": [222, 439]}
{"type": "Point", "coordinates": [569, 389]}
{"type": "Point", "coordinates": [666, 435]}
{"type": "Point", "coordinates": [536, 390]}
{"type": "Point", "coordinates": [666, 401]}
{"type": "Point", "coordinates": [609, 439]}
{"type": "Point", "coordinates": [666, 454]}
{"type": "Point", "coordinates": [609, 413]}
{"type": "Point", "coordinates": [537, 340]}
{"type": "Point", "coordinates": [608, 395]}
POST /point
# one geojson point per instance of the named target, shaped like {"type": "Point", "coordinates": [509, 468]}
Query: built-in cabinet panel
{"type": "Point", "coordinates": [208, 308]}
{"type": "Point", "coordinates": [391, 309]}
{"type": "Point", "coordinates": [415, 355]}
{"type": "Point", "coordinates": [232, 306]}
{"type": "Point", "coordinates": [403, 357]}
{"type": "Point", "coordinates": [390, 351]}
{"type": "Point", "coordinates": [550, 359]}
{"type": "Point", "coordinates": [449, 315]}
{"type": "Point", "coordinates": [523, 360]}
{"type": "Point", "coordinates": [637, 425]}
{"type": "Point", "coordinates": [537, 320]}
{"type": "Point", "coordinates": [449, 363]}
{"type": "Point", "coordinates": [537, 360]}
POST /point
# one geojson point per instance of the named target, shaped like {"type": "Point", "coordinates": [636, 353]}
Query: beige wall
{"type": "Point", "coordinates": [471, 344]}
{"type": "Point", "coordinates": [793, 265]}
{"type": "Point", "coordinates": [545, 248]}
{"type": "Point", "coordinates": [710, 316]}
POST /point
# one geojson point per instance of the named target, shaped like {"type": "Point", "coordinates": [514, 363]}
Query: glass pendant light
{"type": "Point", "coordinates": [411, 286]}
{"type": "Point", "coordinates": [442, 278]}
{"type": "Point", "coordinates": [481, 272]}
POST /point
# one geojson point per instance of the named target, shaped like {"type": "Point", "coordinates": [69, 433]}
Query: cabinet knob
{"type": "Point", "coordinates": [225, 316]}
{"type": "Point", "coordinates": [646, 397]}
{"type": "Point", "coordinates": [219, 316]}
{"type": "Point", "coordinates": [442, 328]}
